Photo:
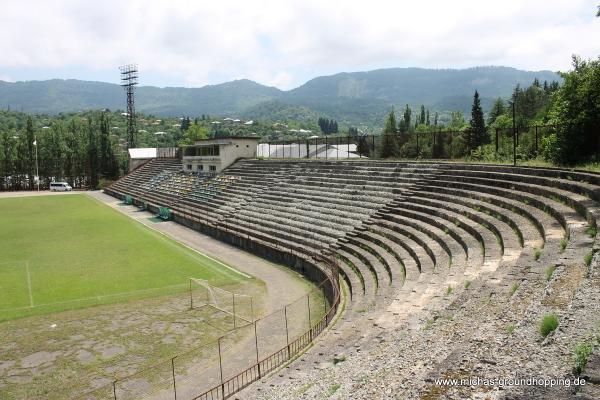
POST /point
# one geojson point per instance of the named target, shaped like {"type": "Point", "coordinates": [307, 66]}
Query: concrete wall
{"type": "Point", "coordinates": [229, 151]}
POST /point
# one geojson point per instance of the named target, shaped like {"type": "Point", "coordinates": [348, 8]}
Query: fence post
{"type": "Point", "coordinates": [348, 148]}
{"type": "Point", "coordinates": [373, 136]}
{"type": "Point", "coordinates": [309, 319]}
{"type": "Point", "coordinates": [115, 389]}
{"type": "Point", "coordinates": [337, 147]}
{"type": "Point", "coordinates": [221, 367]}
{"type": "Point", "coordinates": [173, 369]}
{"type": "Point", "coordinates": [307, 149]}
{"type": "Point", "coordinates": [316, 147]}
{"type": "Point", "coordinates": [269, 155]}
{"type": "Point", "coordinates": [256, 344]}
{"type": "Point", "coordinates": [536, 140]}
{"type": "Point", "coordinates": [287, 335]}
{"type": "Point", "coordinates": [326, 143]}
{"type": "Point", "coordinates": [497, 135]}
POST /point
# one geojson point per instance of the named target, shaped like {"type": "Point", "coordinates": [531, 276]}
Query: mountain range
{"type": "Point", "coordinates": [353, 98]}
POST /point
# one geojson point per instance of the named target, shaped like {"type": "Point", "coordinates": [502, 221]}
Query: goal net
{"type": "Point", "coordinates": [238, 307]}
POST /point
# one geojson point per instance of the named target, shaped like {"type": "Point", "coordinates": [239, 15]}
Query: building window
{"type": "Point", "coordinates": [189, 167]}
{"type": "Point", "coordinates": [213, 167]}
{"type": "Point", "coordinates": [200, 167]}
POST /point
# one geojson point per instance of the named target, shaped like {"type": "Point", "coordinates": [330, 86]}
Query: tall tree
{"type": "Point", "coordinates": [389, 139]}
{"type": "Point", "coordinates": [30, 137]}
{"type": "Point", "coordinates": [498, 108]}
{"type": "Point", "coordinates": [576, 110]}
{"type": "Point", "coordinates": [92, 155]}
{"type": "Point", "coordinates": [476, 134]}
{"type": "Point", "coordinates": [422, 117]}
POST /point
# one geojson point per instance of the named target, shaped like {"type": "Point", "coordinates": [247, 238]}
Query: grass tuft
{"type": "Point", "coordinates": [587, 259]}
{"type": "Point", "coordinates": [592, 231]}
{"type": "Point", "coordinates": [449, 290]}
{"type": "Point", "coordinates": [333, 388]}
{"type": "Point", "coordinates": [514, 288]}
{"type": "Point", "coordinates": [548, 324]}
{"type": "Point", "coordinates": [467, 284]}
{"type": "Point", "coordinates": [510, 328]}
{"type": "Point", "coordinates": [563, 244]}
{"type": "Point", "coordinates": [549, 272]}
{"type": "Point", "coordinates": [536, 254]}
{"type": "Point", "coordinates": [581, 353]}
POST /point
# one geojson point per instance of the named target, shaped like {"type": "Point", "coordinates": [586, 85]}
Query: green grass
{"type": "Point", "coordinates": [536, 254]}
{"type": "Point", "coordinates": [581, 353]}
{"type": "Point", "coordinates": [548, 324]}
{"type": "Point", "coordinates": [549, 272]}
{"type": "Point", "coordinates": [78, 252]}
{"type": "Point", "coordinates": [514, 288]}
{"type": "Point", "coordinates": [510, 328]}
{"type": "Point", "coordinates": [563, 244]}
{"type": "Point", "coordinates": [591, 231]}
{"type": "Point", "coordinates": [587, 259]}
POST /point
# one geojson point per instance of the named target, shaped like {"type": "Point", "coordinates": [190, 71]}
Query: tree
{"type": "Point", "coordinates": [476, 135]}
{"type": "Point", "coordinates": [576, 112]}
{"type": "Point", "coordinates": [194, 133]}
{"type": "Point", "coordinates": [389, 140]}
{"type": "Point", "coordinates": [352, 131]}
{"type": "Point", "coordinates": [422, 117]}
{"type": "Point", "coordinates": [30, 138]}
{"type": "Point", "coordinates": [404, 125]}
{"type": "Point", "coordinates": [92, 155]}
{"type": "Point", "coordinates": [185, 123]}
{"type": "Point", "coordinates": [327, 125]}
{"type": "Point", "coordinates": [497, 110]}
{"type": "Point", "coordinates": [109, 167]}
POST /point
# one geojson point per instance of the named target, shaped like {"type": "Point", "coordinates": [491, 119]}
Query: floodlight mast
{"type": "Point", "coordinates": [129, 79]}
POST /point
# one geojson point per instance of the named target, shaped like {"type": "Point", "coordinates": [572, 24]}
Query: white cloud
{"type": "Point", "coordinates": [283, 43]}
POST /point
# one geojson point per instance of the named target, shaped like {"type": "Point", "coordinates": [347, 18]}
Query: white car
{"type": "Point", "coordinates": [60, 187]}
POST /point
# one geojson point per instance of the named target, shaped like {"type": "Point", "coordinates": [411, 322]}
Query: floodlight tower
{"type": "Point", "coordinates": [129, 78]}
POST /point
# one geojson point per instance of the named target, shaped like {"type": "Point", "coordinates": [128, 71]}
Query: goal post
{"type": "Point", "coordinates": [238, 306]}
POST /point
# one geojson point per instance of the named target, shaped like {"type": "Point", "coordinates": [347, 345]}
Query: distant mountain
{"type": "Point", "coordinates": [357, 98]}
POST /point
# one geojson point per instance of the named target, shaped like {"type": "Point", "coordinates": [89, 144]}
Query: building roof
{"type": "Point", "coordinates": [142, 152]}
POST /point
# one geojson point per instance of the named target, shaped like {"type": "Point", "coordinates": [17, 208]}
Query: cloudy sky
{"type": "Point", "coordinates": [284, 43]}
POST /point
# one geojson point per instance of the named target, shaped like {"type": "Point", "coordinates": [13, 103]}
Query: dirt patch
{"type": "Point", "coordinates": [561, 289]}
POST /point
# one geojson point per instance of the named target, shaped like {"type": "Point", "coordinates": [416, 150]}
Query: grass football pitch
{"type": "Point", "coordinates": [64, 252]}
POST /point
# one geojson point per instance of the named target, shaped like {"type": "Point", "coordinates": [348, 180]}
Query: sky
{"type": "Point", "coordinates": [285, 43]}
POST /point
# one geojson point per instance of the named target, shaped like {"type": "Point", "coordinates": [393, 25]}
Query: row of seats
{"type": "Point", "coordinates": [397, 228]}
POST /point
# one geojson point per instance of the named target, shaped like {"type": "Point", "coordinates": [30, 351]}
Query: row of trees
{"type": "Point", "coordinates": [459, 138]}
{"type": "Point", "coordinates": [328, 126]}
{"type": "Point", "coordinates": [80, 151]}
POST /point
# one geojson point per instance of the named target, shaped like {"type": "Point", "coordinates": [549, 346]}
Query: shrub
{"type": "Point", "coordinates": [549, 324]}
{"type": "Point", "coordinates": [591, 231]}
{"type": "Point", "coordinates": [549, 272]}
{"type": "Point", "coordinates": [449, 290]}
{"type": "Point", "coordinates": [333, 388]}
{"type": "Point", "coordinates": [563, 244]}
{"type": "Point", "coordinates": [588, 258]}
{"type": "Point", "coordinates": [536, 254]}
{"type": "Point", "coordinates": [581, 353]}
{"type": "Point", "coordinates": [510, 328]}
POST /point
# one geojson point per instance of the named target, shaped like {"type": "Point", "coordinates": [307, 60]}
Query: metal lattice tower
{"type": "Point", "coordinates": [129, 78]}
